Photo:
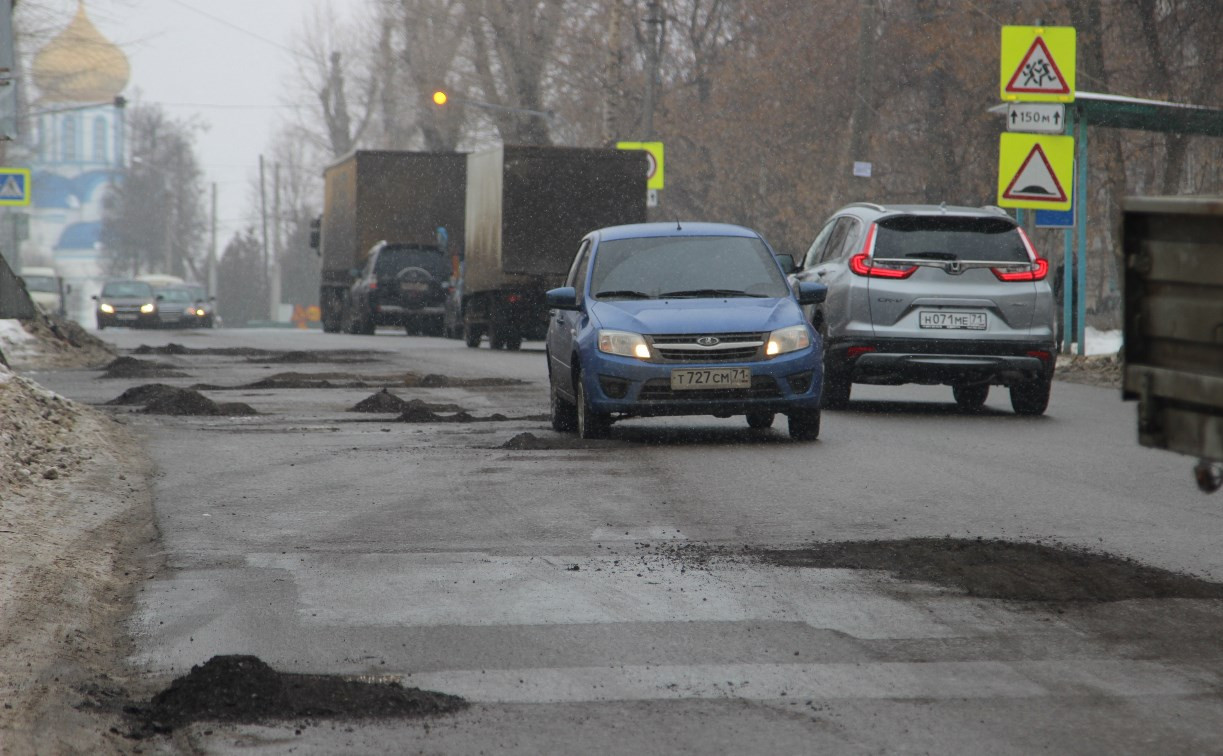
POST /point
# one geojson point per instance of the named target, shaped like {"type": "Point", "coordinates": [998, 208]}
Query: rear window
{"type": "Point", "coordinates": [391, 260]}
{"type": "Point", "coordinates": [127, 289]}
{"type": "Point", "coordinates": [949, 238]}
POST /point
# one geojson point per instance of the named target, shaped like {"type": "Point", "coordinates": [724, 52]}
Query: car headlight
{"type": "Point", "coordinates": [148, 307]}
{"type": "Point", "coordinates": [624, 344]}
{"type": "Point", "coordinates": [787, 340]}
{"type": "Point", "coordinates": [107, 308]}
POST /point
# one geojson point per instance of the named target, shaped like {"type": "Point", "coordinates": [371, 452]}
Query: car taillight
{"type": "Point", "coordinates": [513, 299]}
{"type": "Point", "coordinates": [372, 285]}
{"type": "Point", "coordinates": [857, 351]}
{"type": "Point", "coordinates": [1037, 270]}
{"type": "Point", "coordinates": [862, 265]}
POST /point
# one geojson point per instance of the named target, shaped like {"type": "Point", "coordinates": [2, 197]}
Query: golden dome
{"type": "Point", "coordinates": [80, 65]}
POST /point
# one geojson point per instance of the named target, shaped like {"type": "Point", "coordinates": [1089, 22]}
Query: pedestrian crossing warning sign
{"type": "Point", "coordinates": [1038, 63]}
{"type": "Point", "coordinates": [1035, 171]}
{"type": "Point", "coordinates": [14, 186]}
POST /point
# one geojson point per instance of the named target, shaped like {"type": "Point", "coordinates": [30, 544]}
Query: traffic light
{"type": "Point", "coordinates": [440, 97]}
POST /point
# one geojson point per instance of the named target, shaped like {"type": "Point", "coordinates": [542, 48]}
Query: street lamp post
{"type": "Point", "coordinates": [442, 98]}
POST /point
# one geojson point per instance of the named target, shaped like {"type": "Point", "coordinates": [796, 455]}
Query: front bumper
{"type": "Point", "coordinates": [893, 363]}
{"type": "Point", "coordinates": [626, 386]}
{"type": "Point", "coordinates": [127, 320]}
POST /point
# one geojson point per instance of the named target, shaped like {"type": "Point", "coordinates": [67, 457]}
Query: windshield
{"type": "Point", "coordinates": [133, 289]}
{"type": "Point", "coordinates": [41, 283]}
{"type": "Point", "coordinates": [686, 266]}
{"type": "Point", "coordinates": [948, 238]}
{"type": "Point", "coordinates": [175, 295]}
{"type": "Point", "coordinates": [394, 259]}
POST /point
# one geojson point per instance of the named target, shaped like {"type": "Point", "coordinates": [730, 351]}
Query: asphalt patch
{"type": "Point", "coordinates": [997, 569]}
{"type": "Point", "coordinates": [530, 442]}
{"type": "Point", "coordinates": [130, 367]}
{"type": "Point", "coordinates": [264, 355]}
{"type": "Point", "coordinates": [386, 402]}
{"type": "Point", "coordinates": [245, 690]}
{"type": "Point", "coordinates": [435, 380]}
{"type": "Point", "coordinates": [161, 399]}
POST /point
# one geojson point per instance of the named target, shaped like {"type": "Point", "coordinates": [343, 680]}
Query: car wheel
{"type": "Point", "coordinates": [804, 425]}
{"type": "Point", "coordinates": [760, 419]}
{"type": "Point", "coordinates": [971, 397]}
{"type": "Point", "coordinates": [564, 413]}
{"type": "Point", "coordinates": [1031, 397]}
{"type": "Point", "coordinates": [836, 386]}
{"type": "Point", "coordinates": [472, 335]}
{"type": "Point", "coordinates": [590, 424]}
{"type": "Point", "coordinates": [512, 343]}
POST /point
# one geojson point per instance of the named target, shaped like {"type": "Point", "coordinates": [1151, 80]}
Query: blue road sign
{"type": "Point", "coordinates": [14, 186]}
{"type": "Point", "coordinates": [1055, 218]}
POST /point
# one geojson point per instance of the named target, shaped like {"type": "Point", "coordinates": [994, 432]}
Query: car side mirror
{"type": "Point", "coordinates": [811, 293]}
{"type": "Point", "coordinates": [787, 263]}
{"type": "Point", "coordinates": [564, 298]}
{"type": "Point", "coordinates": [160, 297]}
{"type": "Point", "coordinates": [94, 297]}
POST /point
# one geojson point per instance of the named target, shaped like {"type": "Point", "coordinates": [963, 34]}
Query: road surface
{"type": "Point", "coordinates": [611, 597]}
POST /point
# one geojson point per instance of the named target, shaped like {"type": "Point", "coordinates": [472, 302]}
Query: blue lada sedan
{"type": "Point", "coordinates": [681, 319]}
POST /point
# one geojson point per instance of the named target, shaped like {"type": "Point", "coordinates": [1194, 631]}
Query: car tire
{"type": "Point", "coordinates": [1031, 397]}
{"type": "Point", "coordinates": [836, 386]}
{"type": "Point", "coordinates": [512, 343]}
{"type": "Point", "coordinates": [564, 413]}
{"type": "Point", "coordinates": [804, 425]}
{"type": "Point", "coordinates": [970, 397]}
{"type": "Point", "coordinates": [590, 424]}
{"type": "Point", "coordinates": [760, 419]}
{"type": "Point", "coordinates": [472, 335]}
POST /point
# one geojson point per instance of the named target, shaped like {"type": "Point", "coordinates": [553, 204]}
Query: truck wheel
{"type": "Point", "coordinates": [971, 398]}
{"type": "Point", "coordinates": [804, 425]}
{"type": "Point", "coordinates": [512, 343]}
{"type": "Point", "coordinates": [758, 419]}
{"type": "Point", "coordinates": [472, 335]}
{"type": "Point", "coordinates": [590, 424]}
{"type": "Point", "coordinates": [1031, 397]}
{"type": "Point", "coordinates": [435, 326]}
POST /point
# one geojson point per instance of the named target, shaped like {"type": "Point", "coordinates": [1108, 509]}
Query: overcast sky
{"type": "Point", "coordinates": [223, 61]}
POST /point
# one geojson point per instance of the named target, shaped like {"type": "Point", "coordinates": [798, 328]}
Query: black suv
{"type": "Point", "coordinates": [933, 294]}
{"type": "Point", "coordinates": [402, 285]}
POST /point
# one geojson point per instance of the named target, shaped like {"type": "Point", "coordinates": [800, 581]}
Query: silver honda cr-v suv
{"type": "Point", "coordinates": [932, 294]}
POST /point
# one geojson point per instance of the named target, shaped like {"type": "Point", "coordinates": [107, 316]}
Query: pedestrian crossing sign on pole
{"type": "Point", "coordinates": [1035, 171]}
{"type": "Point", "coordinates": [14, 187]}
{"type": "Point", "coordinates": [1038, 63]}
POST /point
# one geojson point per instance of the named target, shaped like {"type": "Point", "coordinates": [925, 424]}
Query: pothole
{"type": "Point", "coordinates": [161, 399]}
{"type": "Point", "coordinates": [530, 442]}
{"type": "Point", "coordinates": [130, 367]}
{"type": "Point", "coordinates": [997, 569]}
{"type": "Point", "coordinates": [264, 355]}
{"type": "Point", "coordinates": [245, 690]}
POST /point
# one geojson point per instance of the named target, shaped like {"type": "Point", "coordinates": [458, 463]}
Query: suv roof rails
{"type": "Point", "coordinates": [995, 209]}
{"type": "Point", "coordinates": [871, 205]}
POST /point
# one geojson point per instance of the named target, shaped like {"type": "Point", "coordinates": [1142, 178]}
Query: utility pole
{"type": "Point", "coordinates": [655, 34]}
{"type": "Point", "coordinates": [276, 242]}
{"type": "Point", "coordinates": [212, 245]}
{"type": "Point", "coordinates": [263, 217]}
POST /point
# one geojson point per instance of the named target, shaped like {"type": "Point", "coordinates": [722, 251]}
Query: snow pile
{"type": "Point", "coordinates": [14, 340]}
{"type": "Point", "coordinates": [37, 438]}
{"type": "Point", "coordinates": [1102, 342]}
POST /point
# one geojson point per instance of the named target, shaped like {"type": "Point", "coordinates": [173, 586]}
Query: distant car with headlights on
{"type": "Point", "coordinates": [681, 319]}
{"type": "Point", "coordinates": [127, 303]}
{"type": "Point", "coordinates": [176, 307]}
{"type": "Point", "coordinates": [202, 309]}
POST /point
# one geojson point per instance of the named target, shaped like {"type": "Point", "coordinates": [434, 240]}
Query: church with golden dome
{"type": "Point", "coordinates": [76, 149]}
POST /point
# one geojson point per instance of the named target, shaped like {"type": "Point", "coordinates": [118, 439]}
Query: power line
{"type": "Point", "coordinates": [235, 27]}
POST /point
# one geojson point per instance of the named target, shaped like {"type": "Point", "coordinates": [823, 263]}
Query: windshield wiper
{"type": "Point", "coordinates": [934, 255]}
{"type": "Point", "coordinates": [699, 293]}
{"type": "Point", "coordinates": [622, 294]}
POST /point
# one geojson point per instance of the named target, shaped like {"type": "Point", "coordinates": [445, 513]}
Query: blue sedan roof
{"type": "Point", "coordinates": [672, 228]}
